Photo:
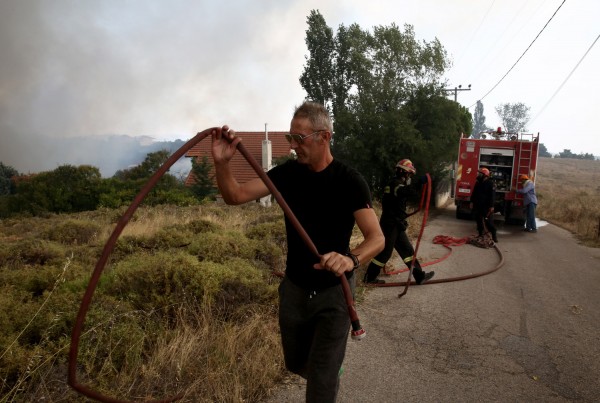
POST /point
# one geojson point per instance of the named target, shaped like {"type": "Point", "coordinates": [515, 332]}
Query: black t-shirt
{"type": "Point", "coordinates": [324, 203]}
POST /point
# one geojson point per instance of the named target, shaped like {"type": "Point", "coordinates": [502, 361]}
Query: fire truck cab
{"type": "Point", "coordinates": [506, 155]}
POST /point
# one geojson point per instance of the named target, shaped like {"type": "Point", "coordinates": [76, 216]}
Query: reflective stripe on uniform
{"type": "Point", "coordinates": [408, 259]}
{"type": "Point", "coordinates": [377, 262]}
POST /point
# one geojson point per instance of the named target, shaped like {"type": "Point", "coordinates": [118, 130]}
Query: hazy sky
{"type": "Point", "coordinates": [169, 69]}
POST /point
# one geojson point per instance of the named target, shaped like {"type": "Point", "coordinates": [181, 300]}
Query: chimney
{"type": "Point", "coordinates": [267, 152]}
{"type": "Point", "coordinates": [267, 159]}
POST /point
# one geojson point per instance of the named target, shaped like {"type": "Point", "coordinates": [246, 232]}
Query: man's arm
{"type": "Point", "coordinates": [373, 243]}
{"type": "Point", "coordinates": [232, 191]}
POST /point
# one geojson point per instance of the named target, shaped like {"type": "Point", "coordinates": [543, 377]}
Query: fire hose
{"type": "Point", "coordinates": [357, 331]}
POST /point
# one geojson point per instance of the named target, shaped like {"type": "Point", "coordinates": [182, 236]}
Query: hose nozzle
{"type": "Point", "coordinates": [358, 333]}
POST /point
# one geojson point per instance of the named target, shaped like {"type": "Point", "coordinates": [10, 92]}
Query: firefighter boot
{"type": "Point", "coordinates": [371, 274]}
{"type": "Point", "coordinates": [419, 275]}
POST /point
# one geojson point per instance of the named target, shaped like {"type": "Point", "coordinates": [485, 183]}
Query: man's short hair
{"type": "Point", "coordinates": [317, 115]}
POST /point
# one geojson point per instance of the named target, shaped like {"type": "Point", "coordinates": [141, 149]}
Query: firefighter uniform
{"type": "Point", "coordinates": [483, 198]}
{"type": "Point", "coordinates": [394, 224]}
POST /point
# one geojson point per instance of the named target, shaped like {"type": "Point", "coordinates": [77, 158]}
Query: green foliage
{"type": "Point", "coordinates": [203, 181]}
{"type": "Point", "coordinates": [73, 232]}
{"type": "Point", "coordinates": [543, 151]}
{"type": "Point", "coordinates": [168, 190]}
{"type": "Point", "coordinates": [221, 246]}
{"type": "Point", "coordinates": [318, 72]}
{"type": "Point", "coordinates": [568, 154]}
{"type": "Point", "coordinates": [164, 280]}
{"type": "Point", "coordinates": [65, 189]}
{"type": "Point", "coordinates": [146, 169]}
{"type": "Point", "coordinates": [144, 296]}
{"type": "Point", "coordinates": [384, 89]}
{"type": "Point", "coordinates": [478, 121]}
{"type": "Point", "coordinates": [514, 117]}
{"type": "Point", "coordinates": [30, 252]}
{"type": "Point", "coordinates": [6, 174]}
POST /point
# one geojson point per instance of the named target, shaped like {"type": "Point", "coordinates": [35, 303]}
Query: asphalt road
{"type": "Point", "coordinates": [529, 332]}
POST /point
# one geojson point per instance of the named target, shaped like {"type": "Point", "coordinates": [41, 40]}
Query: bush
{"type": "Point", "coordinates": [166, 280]}
{"type": "Point", "coordinates": [73, 232]}
{"type": "Point", "coordinates": [219, 247]}
{"type": "Point", "coordinates": [30, 252]}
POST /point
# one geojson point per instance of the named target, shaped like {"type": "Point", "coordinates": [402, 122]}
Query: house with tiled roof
{"type": "Point", "coordinates": [263, 146]}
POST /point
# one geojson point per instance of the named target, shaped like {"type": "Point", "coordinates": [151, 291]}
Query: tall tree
{"type": "Point", "coordinates": [318, 72]}
{"type": "Point", "coordinates": [203, 181]}
{"type": "Point", "coordinates": [367, 79]}
{"type": "Point", "coordinates": [514, 117]}
{"type": "Point", "coordinates": [478, 121]}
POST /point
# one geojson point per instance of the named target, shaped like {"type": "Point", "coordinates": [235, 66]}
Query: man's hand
{"type": "Point", "coordinates": [224, 145]}
{"type": "Point", "coordinates": [335, 262]}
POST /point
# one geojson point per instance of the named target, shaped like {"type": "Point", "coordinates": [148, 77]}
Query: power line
{"type": "Point", "coordinates": [520, 57]}
{"type": "Point", "coordinates": [475, 33]}
{"type": "Point", "coordinates": [566, 79]}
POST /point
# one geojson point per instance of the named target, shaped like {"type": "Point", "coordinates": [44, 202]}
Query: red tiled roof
{"type": "Point", "coordinates": [242, 171]}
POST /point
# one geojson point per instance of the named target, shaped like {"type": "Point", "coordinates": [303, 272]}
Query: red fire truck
{"type": "Point", "coordinates": [506, 155]}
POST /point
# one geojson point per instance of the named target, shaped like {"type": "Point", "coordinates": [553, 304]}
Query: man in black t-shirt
{"type": "Point", "coordinates": [328, 198]}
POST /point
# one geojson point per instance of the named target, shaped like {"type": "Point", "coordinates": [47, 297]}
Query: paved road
{"type": "Point", "coordinates": [529, 332]}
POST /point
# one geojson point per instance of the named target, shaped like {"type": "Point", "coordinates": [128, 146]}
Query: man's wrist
{"type": "Point", "coordinates": [355, 260]}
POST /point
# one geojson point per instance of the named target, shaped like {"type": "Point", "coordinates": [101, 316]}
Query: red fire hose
{"type": "Point", "coordinates": [357, 331]}
{"type": "Point", "coordinates": [445, 241]}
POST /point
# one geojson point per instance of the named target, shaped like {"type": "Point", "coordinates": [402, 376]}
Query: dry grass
{"type": "Point", "coordinates": [569, 196]}
{"type": "Point", "coordinates": [226, 349]}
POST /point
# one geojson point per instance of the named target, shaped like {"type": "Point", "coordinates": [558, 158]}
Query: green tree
{"type": "Point", "coordinates": [543, 151]}
{"type": "Point", "coordinates": [478, 121]}
{"type": "Point", "coordinates": [378, 86]}
{"type": "Point", "coordinates": [66, 189]}
{"type": "Point", "coordinates": [440, 122]}
{"type": "Point", "coordinates": [203, 180]}
{"type": "Point", "coordinates": [317, 77]}
{"type": "Point", "coordinates": [514, 117]}
{"type": "Point", "coordinates": [126, 184]}
{"type": "Point", "coordinates": [6, 173]}
{"type": "Point", "coordinates": [146, 169]}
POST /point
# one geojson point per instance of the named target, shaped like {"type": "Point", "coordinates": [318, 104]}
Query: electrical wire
{"type": "Point", "coordinates": [566, 79]}
{"type": "Point", "coordinates": [475, 32]}
{"type": "Point", "coordinates": [520, 57]}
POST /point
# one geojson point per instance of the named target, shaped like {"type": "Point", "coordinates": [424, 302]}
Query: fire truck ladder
{"type": "Point", "coordinates": [525, 158]}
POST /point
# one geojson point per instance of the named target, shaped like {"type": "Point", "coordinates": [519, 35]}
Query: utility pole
{"type": "Point", "coordinates": [456, 89]}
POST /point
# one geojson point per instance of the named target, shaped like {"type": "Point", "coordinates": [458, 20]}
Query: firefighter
{"type": "Point", "coordinates": [529, 201]}
{"type": "Point", "coordinates": [482, 203]}
{"type": "Point", "coordinates": [393, 224]}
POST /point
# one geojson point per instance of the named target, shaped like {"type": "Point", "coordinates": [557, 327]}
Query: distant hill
{"type": "Point", "coordinates": [108, 153]}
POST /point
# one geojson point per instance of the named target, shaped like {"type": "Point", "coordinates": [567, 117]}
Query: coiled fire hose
{"type": "Point", "coordinates": [357, 331]}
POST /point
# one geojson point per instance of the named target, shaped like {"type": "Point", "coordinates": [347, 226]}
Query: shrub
{"type": "Point", "coordinates": [30, 252]}
{"type": "Point", "coordinates": [73, 232]}
{"type": "Point", "coordinates": [218, 247]}
{"type": "Point", "coordinates": [166, 280]}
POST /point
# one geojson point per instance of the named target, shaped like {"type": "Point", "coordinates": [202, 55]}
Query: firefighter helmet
{"type": "Point", "coordinates": [406, 165]}
{"type": "Point", "coordinates": [484, 171]}
{"type": "Point", "coordinates": [523, 177]}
